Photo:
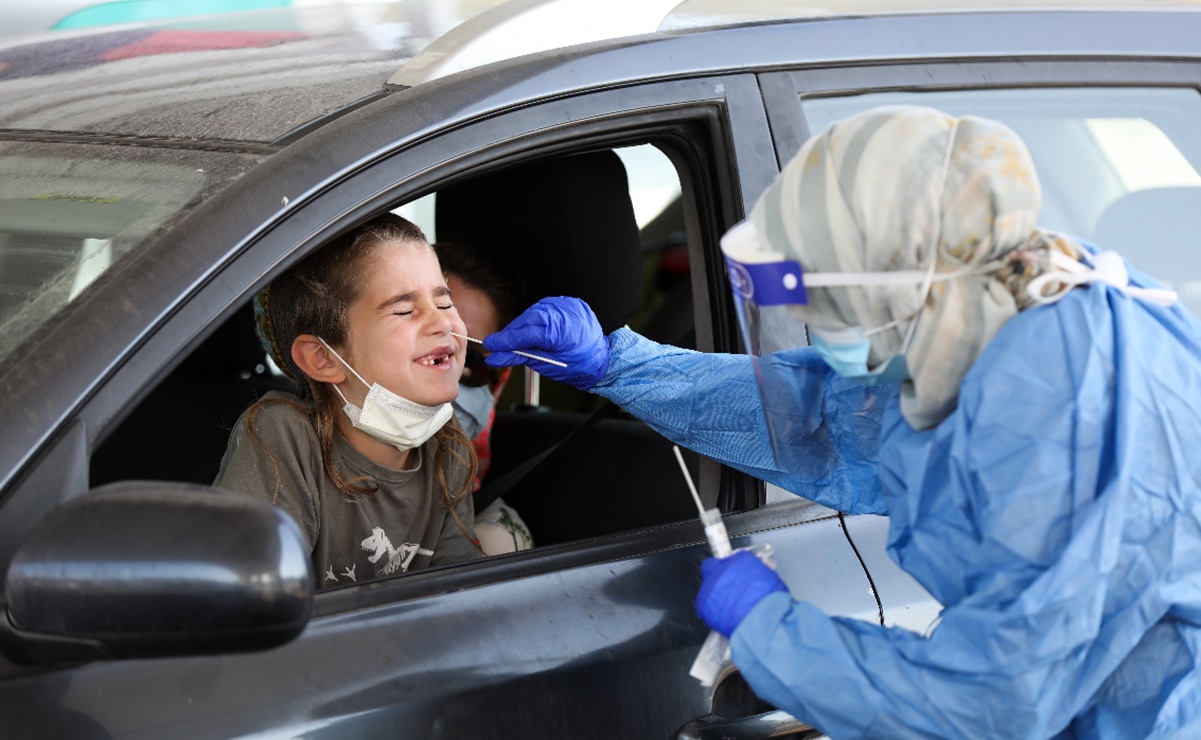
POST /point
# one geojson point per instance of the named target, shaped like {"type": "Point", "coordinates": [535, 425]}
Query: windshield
{"type": "Point", "coordinates": [69, 212]}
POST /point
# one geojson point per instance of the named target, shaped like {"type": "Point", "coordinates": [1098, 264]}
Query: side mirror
{"type": "Point", "coordinates": [156, 569]}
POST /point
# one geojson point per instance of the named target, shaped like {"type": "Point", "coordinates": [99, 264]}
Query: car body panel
{"type": "Point", "coordinates": [590, 638]}
{"type": "Point", "coordinates": [621, 629]}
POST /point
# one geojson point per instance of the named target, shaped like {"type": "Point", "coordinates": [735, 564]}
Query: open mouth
{"type": "Point", "coordinates": [435, 359]}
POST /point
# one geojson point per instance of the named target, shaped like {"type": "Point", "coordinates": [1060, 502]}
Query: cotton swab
{"type": "Point", "coordinates": [516, 352]}
{"type": "Point", "coordinates": [688, 479]}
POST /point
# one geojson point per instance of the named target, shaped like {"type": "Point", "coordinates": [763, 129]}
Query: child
{"type": "Point", "coordinates": [487, 299]}
{"type": "Point", "coordinates": [367, 456]}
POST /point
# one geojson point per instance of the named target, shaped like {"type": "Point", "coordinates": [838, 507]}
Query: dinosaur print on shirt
{"type": "Point", "coordinates": [398, 558]}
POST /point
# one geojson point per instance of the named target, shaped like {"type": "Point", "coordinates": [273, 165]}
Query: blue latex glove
{"type": "Point", "coordinates": [731, 589]}
{"type": "Point", "coordinates": [563, 329]}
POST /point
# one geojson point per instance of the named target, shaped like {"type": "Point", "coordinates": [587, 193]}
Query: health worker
{"type": "Point", "coordinates": [1022, 407]}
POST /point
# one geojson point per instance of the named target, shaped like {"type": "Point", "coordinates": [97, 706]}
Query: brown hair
{"type": "Point", "coordinates": [314, 297]}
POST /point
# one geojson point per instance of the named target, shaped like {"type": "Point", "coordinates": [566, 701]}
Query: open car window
{"type": "Point", "coordinates": [605, 225]}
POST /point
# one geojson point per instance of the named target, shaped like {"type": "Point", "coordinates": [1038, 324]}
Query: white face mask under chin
{"type": "Point", "coordinates": [391, 418]}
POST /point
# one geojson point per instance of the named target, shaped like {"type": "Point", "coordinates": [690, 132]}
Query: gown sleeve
{"type": "Point", "coordinates": [710, 403]}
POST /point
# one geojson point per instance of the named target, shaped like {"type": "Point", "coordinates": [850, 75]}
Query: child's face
{"type": "Point", "coordinates": [398, 328]}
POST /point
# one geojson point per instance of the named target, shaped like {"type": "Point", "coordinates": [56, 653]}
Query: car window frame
{"type": "Point", "coordinates": [730, 108]}
{"type": "Point", "coordinates": [784, 91]}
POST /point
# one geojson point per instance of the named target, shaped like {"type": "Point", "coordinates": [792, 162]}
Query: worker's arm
{"type": "Point", "coordinates": [710, 403]}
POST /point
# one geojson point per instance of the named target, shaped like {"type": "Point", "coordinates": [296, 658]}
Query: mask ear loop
{"type": "Point", "coordinates": [347, 366]}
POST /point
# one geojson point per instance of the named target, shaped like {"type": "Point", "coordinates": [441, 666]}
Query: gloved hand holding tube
{"type": "Point", "coordinates": [726, 606]}
{"type": "Point", "coordinates": [560, 328]}
{"type": "Point", "coordinates": [732, 587]}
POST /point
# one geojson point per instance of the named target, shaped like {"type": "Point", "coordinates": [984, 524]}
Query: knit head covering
{"type": "Point", "coordinates": [265, 329]}
{"type": "Point", "coordinates": [904, 188]}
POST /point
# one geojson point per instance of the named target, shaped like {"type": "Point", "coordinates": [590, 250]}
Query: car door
{"type": "Point", "coordinates": [591, 636]}
{"type": "Point", "coordinates": [1117, 145]}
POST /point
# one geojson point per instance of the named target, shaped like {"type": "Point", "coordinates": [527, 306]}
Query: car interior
{"type": "Point", "coordinates": [567, 225]}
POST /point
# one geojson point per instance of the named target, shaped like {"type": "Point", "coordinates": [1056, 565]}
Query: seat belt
{"type": "Point", "coordinates": [497, 488]}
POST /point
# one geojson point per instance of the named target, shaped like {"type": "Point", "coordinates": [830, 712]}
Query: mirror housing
{"type": "Point", "coordinates": [156, 569]}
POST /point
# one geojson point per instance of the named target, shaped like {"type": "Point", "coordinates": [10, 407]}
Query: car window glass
{"type": "Point", "coordinates": [70, 212]}
{"type": "Point", "coordinates": [1118, 166]}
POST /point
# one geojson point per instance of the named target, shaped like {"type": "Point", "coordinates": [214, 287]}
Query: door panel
{"type": "Point", "coordinates": [600, 650]}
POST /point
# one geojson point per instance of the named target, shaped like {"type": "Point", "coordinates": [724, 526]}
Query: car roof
{"type": "Point", "coordinates": [528, 26]}
{"type": "Point", "coordinates": [254, 80]}
{"type": "Point", "coordinates": [242, 77]}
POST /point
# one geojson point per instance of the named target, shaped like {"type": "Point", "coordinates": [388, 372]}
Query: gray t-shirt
{"type": "Point", "coordinates": [402, 526]}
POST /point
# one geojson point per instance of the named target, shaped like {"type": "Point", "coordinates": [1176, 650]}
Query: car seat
{"type": "Point", "coordinates": [180, 430]}
{"type": "Point", "coordinates": [567, 227]}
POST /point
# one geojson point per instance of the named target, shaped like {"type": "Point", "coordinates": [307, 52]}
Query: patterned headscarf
{"type": "Point", "coordinates": [265, 329]}
{"type": "Point", "coordinates": [891, 189]}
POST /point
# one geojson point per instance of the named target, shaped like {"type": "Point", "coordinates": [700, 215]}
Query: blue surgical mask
{"type": "Point", "coordinates": [847, 350]}
{"type": "Point", "coordinates": [473, 408]}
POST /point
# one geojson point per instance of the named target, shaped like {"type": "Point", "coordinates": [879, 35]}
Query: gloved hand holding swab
{"type": "Point", "coordinates": [516, 352]}
{"type": "Point", "coordinates": [559, 327]}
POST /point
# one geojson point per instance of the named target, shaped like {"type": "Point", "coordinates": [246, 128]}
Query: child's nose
{"type": "Point", "coordinates": [441, 322]}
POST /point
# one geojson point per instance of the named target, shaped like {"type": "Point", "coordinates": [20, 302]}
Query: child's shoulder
{"type": "Point", "coordinates": [278, 414]}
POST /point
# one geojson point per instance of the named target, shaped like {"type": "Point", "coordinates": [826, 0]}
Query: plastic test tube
{"type": "Point", "coordinates": [713, 653]}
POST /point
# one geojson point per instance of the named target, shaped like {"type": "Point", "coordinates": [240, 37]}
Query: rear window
{"type": "Point", "coordinates": [1119, 166]}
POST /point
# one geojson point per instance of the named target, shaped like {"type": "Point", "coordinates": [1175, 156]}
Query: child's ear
{"type": "Point", "coordinates": [315, 361]}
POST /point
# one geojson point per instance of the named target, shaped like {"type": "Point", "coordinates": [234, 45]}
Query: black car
{"type": "Point", "coordinates": [154, 177]}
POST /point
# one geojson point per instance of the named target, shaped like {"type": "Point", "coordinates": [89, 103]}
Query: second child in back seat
{"type": "Point", "coordinates": [367, 457]}
{"type": "Point", "coordinates": [486, 297]}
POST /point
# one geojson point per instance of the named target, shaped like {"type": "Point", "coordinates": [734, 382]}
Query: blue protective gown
{"type": "Point", "coordinates": [1056, 515]}
{"type": "Point", "coordinates": [710, 403]}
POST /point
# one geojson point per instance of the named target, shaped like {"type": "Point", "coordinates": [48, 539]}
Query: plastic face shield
{"type": "Point", "coordinates": [766, 285]}
{"type": "Point", "coordinates": [791, 377]}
